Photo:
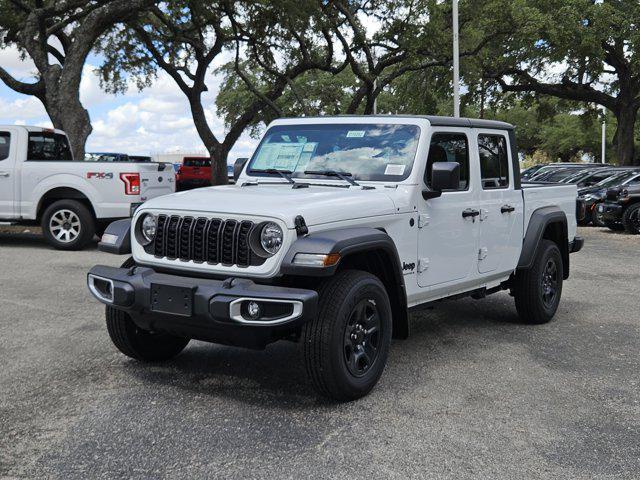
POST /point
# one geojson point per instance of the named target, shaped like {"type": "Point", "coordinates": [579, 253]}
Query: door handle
{"type": "Point", "coordinates": [4, 174]}
{"type": "Point", "coordinates": [507, 209]}
{"type": "Point", "coordinates": [470, 212]}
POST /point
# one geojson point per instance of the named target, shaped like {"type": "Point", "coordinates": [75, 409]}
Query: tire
{"type": "Point", "coordinates": [597, 219]}
{"type": "Point", "coordinates": [337, 343]}
{"type": "Point", "coordinates": [537, 291]}
{"type": "Point", "coordinates": [631, 219]}
{"type": "Point", "coordinates": [616, 227]}
{"type": "Point", "coordinates": [68, 225]}
{"type": "Point", "coordinates": [137, 343]}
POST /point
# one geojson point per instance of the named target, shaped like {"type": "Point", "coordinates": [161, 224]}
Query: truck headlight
{"type": "Point", "coordinates": [271, 238]}
{"type": "Point", "coordinates": [148, 228]}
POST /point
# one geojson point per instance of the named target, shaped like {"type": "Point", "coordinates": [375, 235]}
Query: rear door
{"type": "Point", "coordinates": [501, 205]}
{"type": "Point", "coordinates": [447, 240]}
{"type": "Point", "coordinates": [8, 147]}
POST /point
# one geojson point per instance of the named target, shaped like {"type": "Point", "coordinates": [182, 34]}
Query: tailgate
{"type": "Point", "coordinates": [156, 179]}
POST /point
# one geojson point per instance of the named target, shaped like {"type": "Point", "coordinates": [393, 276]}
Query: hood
{"type": "Point", "coordinates": [317, 204]}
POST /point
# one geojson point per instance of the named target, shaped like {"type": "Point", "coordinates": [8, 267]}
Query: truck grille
{"type": "Point", "coordinates": [204, 240]}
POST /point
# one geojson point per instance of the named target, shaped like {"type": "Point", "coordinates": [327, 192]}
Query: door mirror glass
{"type": "Point", "coordinates": [237, 168]}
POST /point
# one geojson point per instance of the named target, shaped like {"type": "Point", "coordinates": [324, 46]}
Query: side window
{"type": "Point", "coordinates": [449, 147]}
{"type": "Point", "coordinates": [494, 161]}
{"type": "Point", "coordinates": [5, 143]}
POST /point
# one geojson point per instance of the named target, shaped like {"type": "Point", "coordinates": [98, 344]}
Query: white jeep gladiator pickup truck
{"type": "Point", "coordinates": [72, 200]}
{"type": "Point", "coordinates": [336, 228]}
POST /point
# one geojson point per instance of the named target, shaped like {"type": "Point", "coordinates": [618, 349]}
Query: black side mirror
{"type": "Point", "coordinates": [237, 167]}
{"type": "Point", "coordinates": [444, 176]}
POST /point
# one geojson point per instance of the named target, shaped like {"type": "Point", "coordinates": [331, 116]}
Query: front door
{"type": "Point", "coordinates": [501, 206]}
{"type": "Point", "coordinates": [447, 240]}
{"type": "Point", "coordinates": [6, 176]}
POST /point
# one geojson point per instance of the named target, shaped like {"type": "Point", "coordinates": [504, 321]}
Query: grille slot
{"type": "Point", "coordinates": [213, 241]}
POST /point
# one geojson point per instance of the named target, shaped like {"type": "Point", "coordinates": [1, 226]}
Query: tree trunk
{"type": "Point", "coordinates": [624, 138]}
{"type": "Point", "coordinates": [68, 114]}
{"type": "Point", "coordinates": [219, 175]}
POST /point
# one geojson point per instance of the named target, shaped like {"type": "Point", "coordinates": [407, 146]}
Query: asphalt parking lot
{"type": "Point", "coordinates": [472, 394]}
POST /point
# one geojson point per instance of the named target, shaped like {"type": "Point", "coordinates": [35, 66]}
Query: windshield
{"type": "Point", "coordinates": [378, 152]}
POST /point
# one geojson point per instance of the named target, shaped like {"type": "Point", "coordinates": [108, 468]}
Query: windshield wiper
{"type": "Point", "coordinates": [346, 176]}
{"type": "Point", "coordinates": [286, 174]}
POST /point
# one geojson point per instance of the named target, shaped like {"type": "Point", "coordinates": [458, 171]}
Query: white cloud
{"type": "Point", "coordinates": [21, 69]}
{"type": "Point", "coordinates": [25, 107]}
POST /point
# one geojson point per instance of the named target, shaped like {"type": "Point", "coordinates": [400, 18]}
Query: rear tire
{"type": "Point", "coordinates": [631, 219]}
{"type": "Point", "coordinates": [68, 225]}
{"type": "Point", "coordinates": [347, 344]}
{"type": "Point", "coordinates": [537, 290]}
{"type": "Point", "coordinates": [137, 343]}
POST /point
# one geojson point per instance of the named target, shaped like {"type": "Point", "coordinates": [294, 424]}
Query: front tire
{"type": "Point", "coordinates": [137, 343]}
{"type": "Point", "coordinates": [631, 219]}
{"type": "Point", "coordinates": [347, 344]}
{"type": "Point", "coordinates": [537, 290]}
{"type": "Point", "coordinates": [68, 225]}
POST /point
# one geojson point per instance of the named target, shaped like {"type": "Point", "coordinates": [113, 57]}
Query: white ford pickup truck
{"type": "Point", "coordinates": [336, 228]}
{"type": "Point", "coordinates": [72, 200]}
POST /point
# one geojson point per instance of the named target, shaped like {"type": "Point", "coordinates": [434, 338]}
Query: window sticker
{"type": "Point", "coordinates": [355, 133]}
{"type": "Point", "coordinates": [394, 169]}
{"type": "Point", "coordinates": [284, 156]}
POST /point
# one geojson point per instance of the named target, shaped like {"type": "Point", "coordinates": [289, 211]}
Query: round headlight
{"type": "Point", "coordinates": [271, 238]}
{"type": "Point", "coordinates": [148, 228]}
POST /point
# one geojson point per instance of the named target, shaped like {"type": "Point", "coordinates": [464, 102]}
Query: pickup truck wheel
{"type": "Point", "coordinates": [137, 343]}
{"type": "Point", "coordinates": [68, 225]}
{"type": "Point", "coordinates": [537, 290]}
{"type": "Point", "coordinates": [631, 219]}
{"type": "Point", "coordinates": [346, 345]}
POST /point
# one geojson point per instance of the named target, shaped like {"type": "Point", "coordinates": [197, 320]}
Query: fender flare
{"type": "Point", "coordinates": [118, 236]}
{"type": "Point", "coordinates": [346, 242]}
{"type": "Point", "coordinates": [538, 223]}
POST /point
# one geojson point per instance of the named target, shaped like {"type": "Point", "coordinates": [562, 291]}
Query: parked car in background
{"type": "Point", "coordinates": [194, 172]}
{"type": "Point", "coordinates": [590, 197]}
{"type": "Point", "coordinates": [567, 168]}
{"type": "Point", "coordinates": [140, 158]}
{"type": "Point", "coordinates": [40, 183]}
{"type": "Point", "coordinates": [621, 209]}
{"type": "Point", "coordinates": [106, 157]}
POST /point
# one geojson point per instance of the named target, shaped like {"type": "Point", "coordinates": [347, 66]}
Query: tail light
{"type": "Point", "coordinates": [131, 183]}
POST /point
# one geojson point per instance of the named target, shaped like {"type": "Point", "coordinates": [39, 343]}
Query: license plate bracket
{"type": "Point", "coordinates": [172, 299]}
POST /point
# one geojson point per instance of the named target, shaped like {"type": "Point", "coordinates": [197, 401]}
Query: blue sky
{"type": "Point", "coordinates": [156, 120]}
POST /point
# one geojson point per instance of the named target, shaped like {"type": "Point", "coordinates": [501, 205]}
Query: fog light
{"type": "Point", "coordinates": [253, 310]}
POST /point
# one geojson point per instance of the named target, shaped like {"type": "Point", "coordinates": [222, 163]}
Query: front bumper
{"type": "Point", "coordinates": [203, 309]}
{"type": "Point", "coordinates": [611, 212]}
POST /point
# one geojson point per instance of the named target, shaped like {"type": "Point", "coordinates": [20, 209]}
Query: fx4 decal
{"type": "Point", "coordinates": [100, 175]}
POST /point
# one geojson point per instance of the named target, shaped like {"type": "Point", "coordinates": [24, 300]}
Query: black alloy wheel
{"type": "Point", "coordinates": [549, 284]}
{"type": "Point", "coordinates": [362, 337]}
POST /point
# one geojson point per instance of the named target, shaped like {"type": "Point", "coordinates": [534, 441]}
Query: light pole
{"type": "Point", "coordinates": [456, 62]}
{"type": "Point", "coordinates": [604, 135]}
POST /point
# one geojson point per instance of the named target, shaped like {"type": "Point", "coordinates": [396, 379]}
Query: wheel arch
{"type": "Point", "coordinates": [368, 249]}
{"type": "Point", "coordinates": [62, 193]}
{"type": "Point", "coordinates": [546, 223]}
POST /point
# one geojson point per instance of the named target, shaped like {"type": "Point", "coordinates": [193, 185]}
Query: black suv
{"type": "Point", "coordinates": [621, 208]}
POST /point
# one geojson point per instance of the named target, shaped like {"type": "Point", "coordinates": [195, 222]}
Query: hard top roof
{"type": "Point", "coordinates": [435, 120]}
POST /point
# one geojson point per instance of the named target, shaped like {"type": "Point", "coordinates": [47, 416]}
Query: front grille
{"type": "Point", "coordinates": [213, 241]}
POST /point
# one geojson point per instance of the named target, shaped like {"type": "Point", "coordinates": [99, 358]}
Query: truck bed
{"type": "Point", "coordinates": [537, 195]}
